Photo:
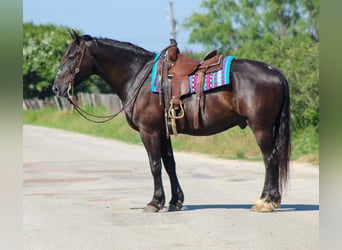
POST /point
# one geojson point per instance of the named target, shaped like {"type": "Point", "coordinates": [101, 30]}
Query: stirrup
{"type": "Point", "coordinates": [172, 112]}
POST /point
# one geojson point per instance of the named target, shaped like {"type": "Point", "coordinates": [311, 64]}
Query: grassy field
{"type": "Point", "coordinates": [234, 143]}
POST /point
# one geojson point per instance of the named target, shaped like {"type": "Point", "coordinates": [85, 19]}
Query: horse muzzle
{"type": "Point", "coordinates": [60, 90]}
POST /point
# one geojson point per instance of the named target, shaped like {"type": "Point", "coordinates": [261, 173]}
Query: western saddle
{"type": "Point", "coordinates": [175, 69]}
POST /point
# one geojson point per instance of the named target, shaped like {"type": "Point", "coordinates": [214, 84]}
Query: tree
{"type": "Point", "coordinates": [43, 48]}
{"type": "Point", "coordinates": [281, 33]}
{"type": "Point", "coordinates": [229, 25]}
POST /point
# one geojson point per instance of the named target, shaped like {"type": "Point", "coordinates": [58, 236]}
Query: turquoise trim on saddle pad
{"type": "Point", "coordinates": [211, 80]}
{"type": "Point", "coordinates": [154, 87]}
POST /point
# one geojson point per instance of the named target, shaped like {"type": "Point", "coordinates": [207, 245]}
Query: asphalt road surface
{"type": "Point", "coordinates": [83, 192]}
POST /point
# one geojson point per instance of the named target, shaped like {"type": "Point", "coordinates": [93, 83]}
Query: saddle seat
{"type": "Point", "coordinates": [183, 65]}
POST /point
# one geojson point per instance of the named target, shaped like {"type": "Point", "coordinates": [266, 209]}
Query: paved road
{"type": "Point", "coordinates": [83, 192]}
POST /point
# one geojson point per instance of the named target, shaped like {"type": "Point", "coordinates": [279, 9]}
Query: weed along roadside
{"type": "Point", "coordinates": [232, 144]}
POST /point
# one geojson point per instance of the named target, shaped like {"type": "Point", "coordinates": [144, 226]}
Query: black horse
{"type": "Point", "coordinates": [258, 96]}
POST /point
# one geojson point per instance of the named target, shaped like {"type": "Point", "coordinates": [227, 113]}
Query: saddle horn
{"type": "Point", "coordinates": [173, 51]}
{"type": "Point", "coordinates": [173, 41]}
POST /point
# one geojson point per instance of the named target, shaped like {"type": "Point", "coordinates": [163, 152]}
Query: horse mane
{"type": "Point", "coordinates": [121, 45]}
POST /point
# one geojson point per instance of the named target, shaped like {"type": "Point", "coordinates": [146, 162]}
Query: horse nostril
{"type": "Point", "coordinates": [55, 90]}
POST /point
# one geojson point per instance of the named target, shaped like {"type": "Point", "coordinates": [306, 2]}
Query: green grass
{"type": "Point", "coordinates": [305, 145]}
{"type": "Point", "coordinates": [116, 129]}
{"type": "Point", "coordinates": [234, 143]}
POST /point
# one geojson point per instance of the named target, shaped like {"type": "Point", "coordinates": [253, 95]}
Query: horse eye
{"type": "Point", "coordinates": [71, 57]}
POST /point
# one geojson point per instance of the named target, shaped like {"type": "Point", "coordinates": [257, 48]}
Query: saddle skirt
{"type": "Point", "coordinates": [211, 80]}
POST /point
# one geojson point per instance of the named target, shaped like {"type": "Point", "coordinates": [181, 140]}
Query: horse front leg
{"type": "Point", "coordinates": [177, 199]}
{"type": "Point", "coordinates": [152, 145]}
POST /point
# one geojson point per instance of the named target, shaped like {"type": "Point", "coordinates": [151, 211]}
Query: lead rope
{"type": "Point", "coordinates": [106, 117]}
{"type": "Point", "coordinates": [82, 112]}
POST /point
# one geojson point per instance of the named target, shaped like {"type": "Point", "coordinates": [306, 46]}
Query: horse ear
{"type": "Point", "coordinates": [74, 36]}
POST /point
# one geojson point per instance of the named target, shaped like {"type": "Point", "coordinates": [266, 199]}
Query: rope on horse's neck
{"type": "Point", "coordinates": [107, 117]}
{"type": "Point", "coordinates": [82, 112]}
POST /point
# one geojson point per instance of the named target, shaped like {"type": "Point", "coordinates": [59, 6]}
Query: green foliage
{"type": "Point", "coordinates": [300, 64]}
{"type": "Point", "coordinates": [305, 144]}
{"type": "Point", "coordinates": [43, 48]}
{"type": "Point", "coordinates": [229, 25]}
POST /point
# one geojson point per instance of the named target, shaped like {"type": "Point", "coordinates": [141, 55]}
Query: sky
{"type": "Point", "coordinates": [145, 23]}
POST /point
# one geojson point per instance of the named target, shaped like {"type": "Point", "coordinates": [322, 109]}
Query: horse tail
{"type": "Point", "coordinates": [282, 135]}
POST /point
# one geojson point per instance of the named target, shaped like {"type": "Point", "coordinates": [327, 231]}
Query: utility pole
{"type": "Point", "coordinates": [172, 21]}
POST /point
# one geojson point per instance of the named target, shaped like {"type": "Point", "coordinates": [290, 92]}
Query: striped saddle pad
{"type": "Point", "coordinates": [211, 80]}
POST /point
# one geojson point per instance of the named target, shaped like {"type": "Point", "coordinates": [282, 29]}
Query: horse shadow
{"type": "Point", "coordinates": [282, 208]}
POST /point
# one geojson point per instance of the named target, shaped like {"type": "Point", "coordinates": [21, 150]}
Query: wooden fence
{"type": "Point", "coordinates": [110, 101]}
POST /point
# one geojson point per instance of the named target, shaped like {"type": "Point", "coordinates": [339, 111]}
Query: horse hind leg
{"type": "Point", "coordinates": [270, 197]}
{"type": "Point", "coordinates": [177, 199]}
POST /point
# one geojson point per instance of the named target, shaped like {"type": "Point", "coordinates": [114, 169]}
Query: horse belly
{"type": "Point", "coordinates": [217, 115]}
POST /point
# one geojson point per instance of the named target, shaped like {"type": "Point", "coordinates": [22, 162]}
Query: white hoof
{"type": "Point", "coordinates": [262, 206]}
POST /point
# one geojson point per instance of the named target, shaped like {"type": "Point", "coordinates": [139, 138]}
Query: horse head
{"type": "Point", "coordinates": [76, 64]}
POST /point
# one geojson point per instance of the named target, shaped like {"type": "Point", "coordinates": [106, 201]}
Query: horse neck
{"type": "Point", "coordinates": [120, 66]}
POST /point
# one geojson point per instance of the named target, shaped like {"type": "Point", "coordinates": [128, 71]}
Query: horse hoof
{"type": "Point", "coordinates": [262, 206]}
{"type": "Point", "coordinates": [150, 209]}
{"type": "Point", "coordinates": [174, 208]}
